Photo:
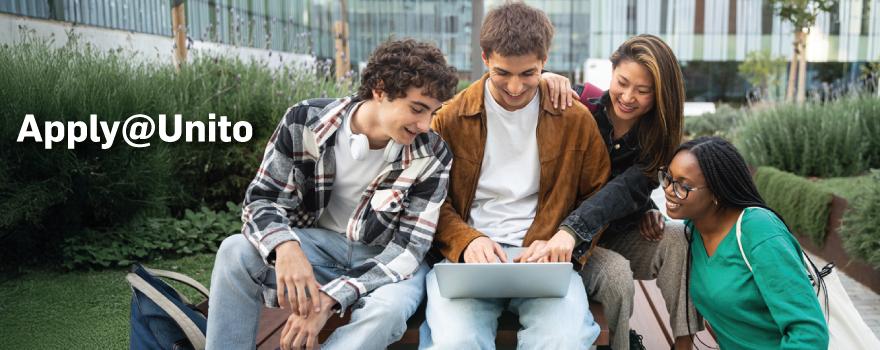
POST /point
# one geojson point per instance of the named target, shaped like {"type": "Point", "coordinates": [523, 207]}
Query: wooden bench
{"type": "Point", "coordinates": [650, 319]}
{"type": "Point", "coordinates": [272, 322]}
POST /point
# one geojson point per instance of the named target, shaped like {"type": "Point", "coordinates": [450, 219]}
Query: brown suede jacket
{"type": "Point", "coordinates": [574, 165]}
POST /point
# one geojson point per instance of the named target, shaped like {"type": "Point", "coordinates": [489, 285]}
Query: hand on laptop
{"type": "Point", "coordinates": [557, 249]}
{"type": "Point", "coordinates": [294, 274]}
{"type": "Point", "coordinates": [484, 250]}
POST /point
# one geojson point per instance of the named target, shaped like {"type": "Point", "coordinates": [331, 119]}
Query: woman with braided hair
{"type": "Point", "coordinates": [773, 306]}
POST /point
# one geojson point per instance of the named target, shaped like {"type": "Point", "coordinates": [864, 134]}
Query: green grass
{"type": "Point", "coordinates": [48, 309]}
{"type": "Point", "coordinates": [846, 187]}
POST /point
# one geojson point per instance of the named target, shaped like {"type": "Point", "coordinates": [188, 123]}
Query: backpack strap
{"type": "Point", "coordinates": [179, 277]}
{"type": "Point", "coordinates": [739, 237]}
{"type": "Point", "coordinates": [193, 333]}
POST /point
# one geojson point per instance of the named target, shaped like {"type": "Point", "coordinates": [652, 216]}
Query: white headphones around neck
{"type": "Point", "coordinates": [360, 146]}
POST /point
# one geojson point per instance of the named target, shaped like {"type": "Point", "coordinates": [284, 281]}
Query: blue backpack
{"type": "Point", "coordinates": [161, 317]}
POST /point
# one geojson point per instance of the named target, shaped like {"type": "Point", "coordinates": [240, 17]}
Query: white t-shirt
{"type": "Point", "coordinates": [352, 178]}
{"type": "Point", "coordinates": [507, 192]}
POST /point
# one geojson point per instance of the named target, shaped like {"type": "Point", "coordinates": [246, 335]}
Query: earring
{"type": "Point", "coordinates": [715, 201]}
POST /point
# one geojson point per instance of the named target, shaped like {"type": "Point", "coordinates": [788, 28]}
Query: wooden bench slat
{"type": "Point", "coordinates": [658, 307]}
{"type": "Point", "coordinates": [650, 319]}
{"type": "Point", "coordinates": [661, 315]}
{"type": "Point", "coordinates": [645, 322]}
{"type": "Point", "coordinates": [272, 322]}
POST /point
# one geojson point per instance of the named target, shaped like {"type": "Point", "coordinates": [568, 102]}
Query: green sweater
{"type": "Point", "coordinates": [771, 307]}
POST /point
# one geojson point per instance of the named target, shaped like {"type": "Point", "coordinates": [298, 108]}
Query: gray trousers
{"type": "Point", "coordinates": [622, 257]}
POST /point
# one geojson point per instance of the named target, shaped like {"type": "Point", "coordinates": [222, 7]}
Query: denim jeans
{"type": "Point", "coordinates": [547, 323]}
{"type": "Point", "coordinates": [241, 282]}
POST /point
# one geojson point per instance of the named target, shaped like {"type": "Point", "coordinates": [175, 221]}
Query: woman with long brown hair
{"type": "Point", "coordinates": [641, 120]}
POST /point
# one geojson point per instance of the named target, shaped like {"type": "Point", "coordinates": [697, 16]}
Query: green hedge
{"type": "Point", "coordinates": [803, 204]}
{"type": "Point", "coordinates": [825, 140]}
{"type": "Point", "coordinates": [860, 230]}
{"type": "Point", "coordinates": [47, 196]}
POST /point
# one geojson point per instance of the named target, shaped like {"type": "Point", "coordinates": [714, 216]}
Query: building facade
{"type": "Point", "coordinates": [703, 33]}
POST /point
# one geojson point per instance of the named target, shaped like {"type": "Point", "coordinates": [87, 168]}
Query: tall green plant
{"type": "Point", "coordinates": [213, 173]}
{"type": "Point", "coordinates": [825, 140]}
{"type": "Point", "coordinates": [49, 195]}
{"type": "Point", "coordinates": [47, 192]}
{"type": "Point", "coordinates": [723, 122]}
{"type": "Point", "coordinates": [861, 224]}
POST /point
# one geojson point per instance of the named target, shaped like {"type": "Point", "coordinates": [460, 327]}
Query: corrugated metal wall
{"type": "Point", "coordinates": [268, 24]}
{"type": "Point", "coordinates": [151, 17]}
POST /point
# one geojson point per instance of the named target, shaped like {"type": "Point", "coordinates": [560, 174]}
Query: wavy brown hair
{"type": "Point", "coordinates": [660, 129]}
{"type": "Point", "coordinates": [397, 65]}
{"type": "Point", "coordinates": [516, 29]}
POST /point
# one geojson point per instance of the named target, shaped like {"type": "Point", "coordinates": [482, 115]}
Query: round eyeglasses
{"type": "Point", "coordinates": [680, 190]}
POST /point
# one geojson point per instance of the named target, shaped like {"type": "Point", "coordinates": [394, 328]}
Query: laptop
{"type": "Point", "coordinates": [503, 280]}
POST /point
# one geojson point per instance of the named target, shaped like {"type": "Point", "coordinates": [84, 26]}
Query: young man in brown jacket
{"type": "Point", "coordinates": [520, 167]}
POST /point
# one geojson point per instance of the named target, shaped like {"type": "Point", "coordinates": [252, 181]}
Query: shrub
{"type": "Point", "coordinates": [215, 173]}
{"type": "Point", "coordinates": [860, 230]}
{"type": "Point", "coordinates": [47, 196]}
{"type": "Point", "coordinates": [152, 238]}
{"type": "Point", "coordinates": [721, 123]}
{"type": "Point", "coordinates": [46, 193]}
{"type": "Point", "coordinates": [834, 139]}
{"type": "Point", "coordinates": [803, 204]}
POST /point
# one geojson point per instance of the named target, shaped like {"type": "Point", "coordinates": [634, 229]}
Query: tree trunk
{"type": "Point", "coordinates": [792, 72]}
{"type": "Point", "coordinates": [340, 31]}
{"type": "Point", "coordinates": [178, 28]}
{"type": "Point", "coordinates": [476, 50]}
{"type": "Point", "coordinates": [802, 67]}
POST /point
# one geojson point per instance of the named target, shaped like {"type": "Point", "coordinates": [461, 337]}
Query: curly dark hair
{"type": "Point", "coordinates": [398, 65]}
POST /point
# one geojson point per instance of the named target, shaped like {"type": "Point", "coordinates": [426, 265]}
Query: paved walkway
{"type": "Point", "coordinates": [865, 300]}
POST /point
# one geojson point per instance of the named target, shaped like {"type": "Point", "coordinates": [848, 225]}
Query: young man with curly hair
{"type": "Point", "coordinates": [521, 166]}
{"type": "Point", "coordinates": [342, 211]}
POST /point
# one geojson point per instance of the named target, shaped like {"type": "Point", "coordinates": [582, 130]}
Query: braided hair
{"type": "Point", "coordinates": [729, 178]}
{"type": "Point", "coordinates": [726, 172]}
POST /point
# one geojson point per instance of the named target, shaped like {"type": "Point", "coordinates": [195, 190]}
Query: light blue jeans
{"type": "Point", "coordinates": [547, 323]}
{"type": "Point", "coordinates": [241, 279]}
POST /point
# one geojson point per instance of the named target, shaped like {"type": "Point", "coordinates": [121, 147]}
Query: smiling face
{"type": "Point", "coordinates": [514, 80]}
{"type": "Point", "coordinates": [404, 118]}
{"type": "Point", "coordinates": [631, 91]}
{"type": "Point", "coordinates": [685, 169]}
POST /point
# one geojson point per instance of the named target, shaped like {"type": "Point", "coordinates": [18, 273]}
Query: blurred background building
{"type": "Point", "coordinates": [710, 37]}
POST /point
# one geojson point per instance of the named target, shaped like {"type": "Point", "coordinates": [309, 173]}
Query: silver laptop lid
{"type": "Point", "coordinates": [503, 280]}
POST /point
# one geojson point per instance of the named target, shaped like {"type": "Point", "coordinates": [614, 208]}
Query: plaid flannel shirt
{"type": "Point", "coordinates": [398, 209]}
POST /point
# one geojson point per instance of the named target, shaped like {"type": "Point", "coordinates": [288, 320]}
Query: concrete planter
{"type": "Point", "coordinates": [832, 250]}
